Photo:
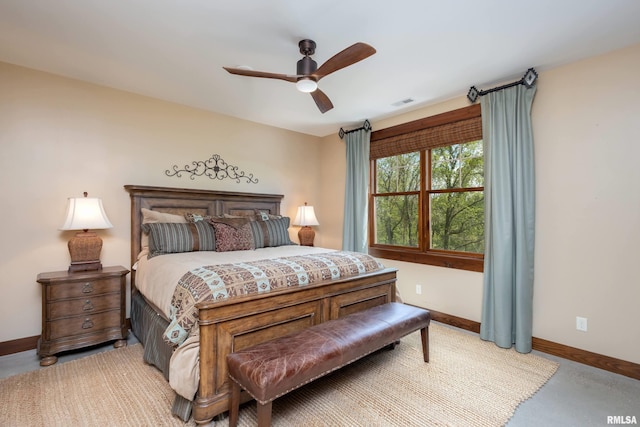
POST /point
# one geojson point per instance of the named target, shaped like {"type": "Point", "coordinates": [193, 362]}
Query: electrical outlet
{"type": "Point", "coordinates": [581, 324]}
{"type": "Point", "coordinates": [419, 289]}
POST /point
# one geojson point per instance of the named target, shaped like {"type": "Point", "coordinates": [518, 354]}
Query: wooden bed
{"type": "Point", "coordinates": [226, 326]}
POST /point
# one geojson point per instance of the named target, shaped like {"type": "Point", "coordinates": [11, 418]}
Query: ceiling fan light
{"type": "Point", "coordinates": [306, 85]}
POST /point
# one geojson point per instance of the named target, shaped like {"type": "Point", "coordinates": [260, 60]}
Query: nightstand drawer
{"type": "Point", "coordinates": [83, 324]}
{"type": "Point", "coordinates": [79, 306]}
{"type": "Point", "coordinates": [83, 288]}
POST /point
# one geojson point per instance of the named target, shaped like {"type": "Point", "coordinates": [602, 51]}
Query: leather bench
{"type": "Point", "coordinates": [274, 368]}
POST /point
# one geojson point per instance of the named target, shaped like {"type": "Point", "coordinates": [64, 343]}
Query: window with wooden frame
{"type": "Point", "coordinates": [426, 201]}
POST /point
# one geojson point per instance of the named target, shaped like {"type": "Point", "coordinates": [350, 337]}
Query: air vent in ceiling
{"type": "Point", "coordinates": [403, 102]}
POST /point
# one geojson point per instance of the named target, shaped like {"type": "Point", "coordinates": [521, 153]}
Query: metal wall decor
{"type": "Point", "coordinates": [214, 168]}
{"type": "Point", "coordinates": [366, 126]}
{"type": "Point", "coordinates": [528, 80]}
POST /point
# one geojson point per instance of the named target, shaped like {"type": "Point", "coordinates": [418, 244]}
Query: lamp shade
{"type": "Point", "coordinates": [84, 213]}
{"type": "Point", "coordinates": [305, 216]}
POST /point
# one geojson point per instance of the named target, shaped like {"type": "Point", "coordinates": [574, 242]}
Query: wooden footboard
{"type": "Point", "coordinates": [229, 326]}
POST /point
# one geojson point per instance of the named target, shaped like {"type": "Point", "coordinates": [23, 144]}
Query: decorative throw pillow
{"type": "Point", "coordinates": [265, 216]}
{"type": "Point", "coordinates": [168, 238]}
{"type": "Point", "coordinates": [195, 217]}
{"type": "Point", "coordinates": [151, 217]}
{"type": "Point", "coordinates": [232, 234]}
{"type": "Point", "coordinates": [271, 233]}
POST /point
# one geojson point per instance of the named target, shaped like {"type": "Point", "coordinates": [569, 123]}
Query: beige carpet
{"type": "Point", "coordinates": [467, 383]}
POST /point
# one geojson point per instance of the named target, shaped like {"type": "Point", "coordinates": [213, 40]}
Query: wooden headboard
{"type": "Point", "coordinates": [203, 202]}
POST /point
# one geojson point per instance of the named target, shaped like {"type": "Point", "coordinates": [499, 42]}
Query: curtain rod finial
{"type": "Point", "coordinates": [472, 96]}
{"type": "Point", "coordinates": [530, 77]}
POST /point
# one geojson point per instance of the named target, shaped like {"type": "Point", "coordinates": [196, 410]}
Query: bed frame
{"type": "Point", "coordinates": [231, 325]}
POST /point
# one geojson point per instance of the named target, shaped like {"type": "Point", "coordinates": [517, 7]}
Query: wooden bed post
{"type": "Point", "coordinates": [203, 411]}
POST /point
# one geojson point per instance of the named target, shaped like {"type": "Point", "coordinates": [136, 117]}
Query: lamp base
{"type": "Point", "coordinates": [85, 266]}
{"type": "Point", "coordinates": [306, 236]}
{"type": "Point", "coordinates": [84, 249]}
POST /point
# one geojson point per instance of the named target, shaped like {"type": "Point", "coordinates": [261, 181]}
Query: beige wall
{"type": "Point", "coordinates": [586, 119]}
{"type": "Point", "coordinates": [60, 137]}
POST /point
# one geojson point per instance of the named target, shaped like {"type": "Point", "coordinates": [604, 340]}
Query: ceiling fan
{"type": "Point", "coordinates": [308, 73]}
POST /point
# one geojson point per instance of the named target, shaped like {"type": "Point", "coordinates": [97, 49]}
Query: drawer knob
{"type": "Point", "coordinates": [87, 288]}
{"type": "Point", "coordinates": [88, 306]}
{"type": "Point", "coordinates": [87, 324]}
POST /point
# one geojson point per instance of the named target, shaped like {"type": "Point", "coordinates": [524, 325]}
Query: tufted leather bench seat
{"type": "Point", "coordinates": [274, 368]}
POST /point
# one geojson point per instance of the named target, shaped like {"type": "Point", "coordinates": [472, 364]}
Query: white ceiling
{"type": "Point", "coordinates": [427, 50]}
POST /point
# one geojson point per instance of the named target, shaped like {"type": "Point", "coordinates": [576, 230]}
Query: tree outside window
{"type": "Point", "coordinates": [457, 198]}
{"type": "Point", "coordinates": [427, 205]}
{"type": "Point", "coordinates": [397, 206]}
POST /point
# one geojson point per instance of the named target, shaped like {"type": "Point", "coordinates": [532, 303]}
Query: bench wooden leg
{"type": "Point", "coordinates": [264, 414]}
{"type": "Point", "coordinates": [424, 333]}
{"type": "Point", "coordinates": [234, 405]}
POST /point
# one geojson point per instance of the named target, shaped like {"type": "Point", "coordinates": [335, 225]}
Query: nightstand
{"type": "Point", "coordinates": [81, 309]}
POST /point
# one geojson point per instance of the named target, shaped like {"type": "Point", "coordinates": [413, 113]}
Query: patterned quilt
{"type": "Point", "coordinates": [220, 282]}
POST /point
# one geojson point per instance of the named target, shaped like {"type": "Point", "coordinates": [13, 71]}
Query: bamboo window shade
{"type": "Point", "coordinates": [432, 134]}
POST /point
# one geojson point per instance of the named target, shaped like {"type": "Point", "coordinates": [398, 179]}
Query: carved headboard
{"type": "Point", "coordinates": [203, 202]}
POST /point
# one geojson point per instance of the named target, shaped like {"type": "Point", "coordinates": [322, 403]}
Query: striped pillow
{"type": "Point", "coordinates": [271, 233]}
{"type": "Point", "coordinates": [169, 238]}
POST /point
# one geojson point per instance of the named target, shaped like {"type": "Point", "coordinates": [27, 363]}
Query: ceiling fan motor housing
{"type": "Point", "coordinates": [306, 66]}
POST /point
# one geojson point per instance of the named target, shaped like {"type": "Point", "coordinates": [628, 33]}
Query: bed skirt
{"type": "Point", "coordinates": [148, 326]}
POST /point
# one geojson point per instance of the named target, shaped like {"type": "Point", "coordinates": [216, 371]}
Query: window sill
{"type": "Point", "coordinates": [437, 259]}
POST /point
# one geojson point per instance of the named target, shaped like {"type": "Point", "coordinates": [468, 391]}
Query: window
{"type": "Point", "coordinates": [427, 191]}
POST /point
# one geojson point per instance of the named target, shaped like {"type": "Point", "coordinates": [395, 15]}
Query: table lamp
{"type": "Point", "coordinates": [84, 213]}
{"type": "Point", "coordinates": [306, 217]}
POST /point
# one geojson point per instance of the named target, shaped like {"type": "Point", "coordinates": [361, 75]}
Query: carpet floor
{"type": "Point", "coordinates": [468, 382]}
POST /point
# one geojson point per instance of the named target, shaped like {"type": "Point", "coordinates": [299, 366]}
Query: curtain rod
{"type": "Point", "coordinates": [528, 80]}
{"type": "Point", "coordinates": [366, 126]}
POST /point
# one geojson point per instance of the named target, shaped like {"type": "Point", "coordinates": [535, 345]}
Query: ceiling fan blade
{"type": "Point", "coordinates": [322, 101]}
{"type": "Point", "coordinates": [349, 56]}
{"type": "Point", "coordinates": [251, 73]}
